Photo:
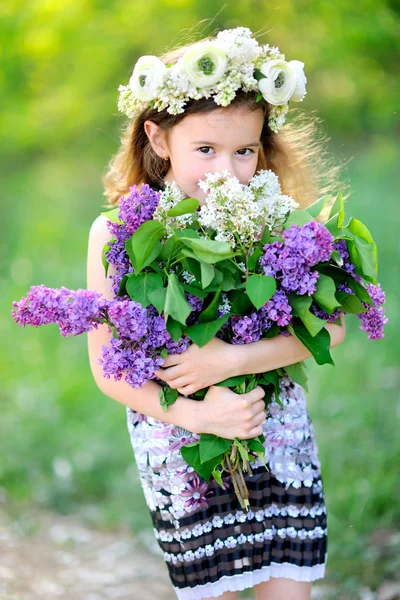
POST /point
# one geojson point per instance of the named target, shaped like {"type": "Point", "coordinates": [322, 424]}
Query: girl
{"type": "Point", "coordinates": [211, 547]}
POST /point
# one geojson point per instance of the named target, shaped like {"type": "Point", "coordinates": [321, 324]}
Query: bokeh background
{"type": "Point", "coordinates": [64, 445]}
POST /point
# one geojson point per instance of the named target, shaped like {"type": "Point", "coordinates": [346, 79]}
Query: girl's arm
{"type": "Point", "coordinates": [145, 399]}
{"type": "Point", "coordinates": [280, 351]}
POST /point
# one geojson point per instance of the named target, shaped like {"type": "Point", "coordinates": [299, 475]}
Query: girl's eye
{"type": "Point", "coordinates": [251, 151]}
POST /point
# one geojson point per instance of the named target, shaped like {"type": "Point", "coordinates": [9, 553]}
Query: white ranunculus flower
{"type": "Point", "coordinates": [301, 80]}
{"type": "Point", "coordinates": [147, 77]}
{"type": "Point", "coordinates": [279, 82]}
{"type": "Point", "coordinates": [204, 63]}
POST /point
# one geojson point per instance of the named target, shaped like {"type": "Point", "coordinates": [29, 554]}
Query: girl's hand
{"type": "Point", "coordinates": [197, 368]}
{"type": "Point", "coordinates": [231, 415]}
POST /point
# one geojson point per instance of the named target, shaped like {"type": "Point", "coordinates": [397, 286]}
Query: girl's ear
{"type": "Point", "coordinates": [156, 138]}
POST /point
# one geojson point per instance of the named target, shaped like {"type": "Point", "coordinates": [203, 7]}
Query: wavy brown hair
{"type": "Point", "coordinates": [298, 154]}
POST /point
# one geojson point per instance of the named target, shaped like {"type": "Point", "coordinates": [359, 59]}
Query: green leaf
{"type": "Point", "coordinates": [112, 215]}
{"type": "Point", "coordinates": [319, 345]}
{"type": "Point", "coordinates": [194, 291]}
{"type": "Point", "coordinates": [176, 304]}
{"type": "Point", "coordinates": [188, 205]}
{"type": "Point", "coordinates": [202, 333]}
{"type": "Point", "coordinates": [139, 286]}
{"type": "Point", "coordinates": [301, 306]}
{"type": "Point", "coordinates": [174, 329]}
{"type": "Point", "coordinates": [212, 446]}
{"type": "Point", "coordinates": [208, 251]}
{"type": "Point", "coordinates": [240, 303]}
{"type": "Point", "coordinates": [207, 274]}
{"type": "Point", "coordinates": [350, 304]}
{"type": "Point", "coordinates": [218, 477]}
{"type": "Point", "coordinates": [359, 290]}
{"type": "Point", "coordinates": [244, 455]}
{"type": "Point", "coordinates": [296, 372]}
{"type": "Point", "coordinates": [104, 260]}
{"type": "Point", "coordinates": [266, 236]}
{"type": "Point", "coordinates": [157, 298]}
{"type": "Point", "coordinates": [324, 295]}
{"type": "Point", "coordinates": [210, 313]}
{"type": "Point", "coordinates": [316, 208]}
{"type": "Point", "coordinates": [254, 258]}
{"type": "Point", "coordinates": [232, 381]}
{"type": "Point", "coordinates": [144, 246]}
{"type": "Point", "coordinates": [121, 289]}
{"type": "Point", "coordinates": [337, 209]}
{"type": "Point", "coordinates": [297, 217]}
{"type": "Point", "coordinates": [271, 377]}
{"type": "Point", "coordinates": [167, 397]}
{"type": "Point", "coordinates": [191, 233]}
{"type": "Point", "coordinates": [191, 454]}
{"type": "Point", "coordinates": [366, 247]}
{"type": "Point", "coordinates": [260, 288]}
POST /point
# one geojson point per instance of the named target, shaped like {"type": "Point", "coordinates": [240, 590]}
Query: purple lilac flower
{"type": "Point", "coordinates": [347, 266]}
{"type": "Point", "coordinates": [134, 209]}
{"type": "Point", "coordinates": [197, 494]}
{"type": "Point", "coordinates": [321, 314]}
{"type": "Point", "coordinates": [278, 309]}
{"type": "Point", "coordinates": [374, 320]}
{"type": "Point", "coordinates": [291, 261]}
{"type": "Point", "coordinates": [75, 312]}
{"type": "Point", "coordinates": [130, 319]}
{"type": "Point", "coordinates": [246, 329]}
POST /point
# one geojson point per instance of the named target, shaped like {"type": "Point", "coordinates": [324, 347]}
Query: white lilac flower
{"type": "Point", "coordinates": [239, 212]}
{"type": "Point", "coordinates": [279, 83]}
{"type": "Point", "coordinates": [225, 307]}
{"type": "Point", "coordinates": [169, 197]}
{"type": "Point", "coordinates": [301, 80]}
{"type": "Point", "coordinates": [188, 277]}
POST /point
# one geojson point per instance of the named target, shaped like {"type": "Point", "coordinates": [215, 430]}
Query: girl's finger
{"type": "Point", "coordinates": [171, 360]}
{"type": "Point", "coordinates": [171, 373]}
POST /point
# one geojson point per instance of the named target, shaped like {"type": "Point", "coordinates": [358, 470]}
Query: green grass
{"type": "Point", "coordinates": [65, 446]}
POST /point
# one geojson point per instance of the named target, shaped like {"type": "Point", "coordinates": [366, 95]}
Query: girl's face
{"type": "Point", "coordinates": [226, 138]}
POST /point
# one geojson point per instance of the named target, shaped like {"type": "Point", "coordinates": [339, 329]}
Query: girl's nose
{"type": "Point", "coordinates": [226, 162]}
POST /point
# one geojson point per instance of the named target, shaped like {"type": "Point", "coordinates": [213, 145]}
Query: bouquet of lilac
{"type": "Point", "coordinates": [246, 265]}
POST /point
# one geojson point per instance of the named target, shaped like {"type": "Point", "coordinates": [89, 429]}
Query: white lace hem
{"type": "Point", "coordinates": [235, 583]}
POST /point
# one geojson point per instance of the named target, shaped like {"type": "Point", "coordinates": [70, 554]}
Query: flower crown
{"type": "Point", "coordinates": [216, 68]}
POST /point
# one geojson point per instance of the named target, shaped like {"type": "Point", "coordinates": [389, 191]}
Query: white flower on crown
{"type": "Point", "coordinates": [204, 63]}
{"type": "Point", "coordinates": [216, 68]}
{"type": "Point", "coordinates": [147, 77]}
{"type": "Point", "coordinates": [279, 83]}
{"type": "Point", "coordinates": [301, 80]}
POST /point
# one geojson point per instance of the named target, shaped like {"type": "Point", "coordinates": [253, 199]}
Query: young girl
{"type": "Point", "coordinates": [180, 129]}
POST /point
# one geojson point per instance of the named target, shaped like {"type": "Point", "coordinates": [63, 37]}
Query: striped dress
{"type": "Point", "coordinates": [210, 545]}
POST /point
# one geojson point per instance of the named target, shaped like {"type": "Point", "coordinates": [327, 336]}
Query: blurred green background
{"type": "Point", "coordinates": [62, 62]}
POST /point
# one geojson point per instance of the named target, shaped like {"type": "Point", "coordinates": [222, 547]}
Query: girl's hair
{"type": "Point", "coordinates": [297, 154]}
